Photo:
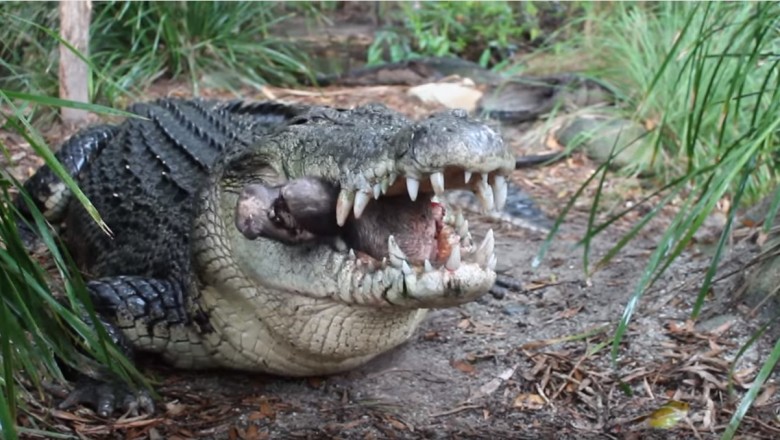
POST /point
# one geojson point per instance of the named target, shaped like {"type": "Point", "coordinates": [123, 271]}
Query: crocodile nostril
{"type": "Point", "coordinates": [460, 113]}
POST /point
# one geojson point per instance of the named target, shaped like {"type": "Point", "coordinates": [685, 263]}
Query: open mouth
{"type": "Point", "coordinates": [409, 227]}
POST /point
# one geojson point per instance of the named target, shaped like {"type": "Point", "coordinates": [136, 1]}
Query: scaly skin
{"type": "Point", "coordinates": [183, 278]}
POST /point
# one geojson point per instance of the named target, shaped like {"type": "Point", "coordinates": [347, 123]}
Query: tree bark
{"type": "Point", "coordinates": [74, 72]}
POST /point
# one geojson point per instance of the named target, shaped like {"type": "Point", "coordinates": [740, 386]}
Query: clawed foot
{"type": "Point", "coordinates": [107, 397]}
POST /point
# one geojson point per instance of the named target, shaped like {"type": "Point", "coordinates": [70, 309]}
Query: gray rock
{"type": "Point", "coordinates": [762, 286]}
{"type": "Point", "coordinates": [514, 309]}
{"type": "Point", "coordinates": [600, 135]}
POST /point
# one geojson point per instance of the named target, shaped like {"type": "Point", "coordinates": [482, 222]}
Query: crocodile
{"type": "Point", "coordinates": [277, 238]}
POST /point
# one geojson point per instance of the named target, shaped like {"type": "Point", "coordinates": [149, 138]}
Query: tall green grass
{"type": "Point", "coordinates": [705, 78]}
{"type": "Point", "coordinates": [42, 309]}
{"type": "Point", "coordinates": [134, 44]}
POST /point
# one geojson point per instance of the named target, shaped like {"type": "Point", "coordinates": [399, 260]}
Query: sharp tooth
{"type": "Point", "coordinates": [492, 262]}
{"type": "Point", "coordinates": [388, 181]}
{"type": "Point", "coordinates": [344, 205]}
{"type": "Point", "coordinates": [453, 262]}
{"type": "Point", "coordinates": [352, 255]}
{"type": "Point", "coordinates": [467, 176]}
{"type": "Point", "coordinates": [405, 268]}
{"type": "Point", "coordinates": [459, 219]}
{"type": "Point", "coordinates": [485, 194]}
{"type": "Point", "coordinates": [466, 242]}
{"type": "Point", "coordinates": [437, 182]}
{"type": "Point", "coordinates": [361, 201]}
{"type": "Point", "coordinates": [377, 191]}
{"type": "Point", "coordinates": [413, 186]}
{"type": "Point", "coordinates": [396, 255]}
{"type": "Point", "coordinates": [485, 249]}
{"type": "Point", "coordinates": [463, 229]}
{"type": "Point", "coordinates": [500, 189]}
{"type": "Point", "coordinates": [339, 244]}
{"type": "Point", "coordinates": [428, 267]}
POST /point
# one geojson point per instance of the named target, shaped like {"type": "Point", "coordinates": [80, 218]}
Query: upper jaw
{"type": "Point", "coordinates": [445, 151]}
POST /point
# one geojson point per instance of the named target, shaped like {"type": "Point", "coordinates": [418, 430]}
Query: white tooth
{"type": "Point", "coordinates": [467, 176]}
{"type": "Point", "coordinates": [466, 242]}
{"type": "Point", "coordinates": [405, 268]}
{"type": "Point", "coordinates": [459, 219]}
{"type": "Point", "coordinates": [352, 255]}
{"type": "Point", "coordinates": [492, 262]}
{"type": "Point", "coordinates": [428, 267]}
{"type": "Point", "coordinates": [388, 182]}
{"type": "Point", "coordinates": [436, 199]}
{"type": "Point", "coordinates": [339, 244]}
{"type": "Point", "coordinates": [463, 229]}
{"type": "Point", "coordinates": [437, 182]}
{"type": "Point", "coordinates": [361, 201]}
{"type": "Point", "coordinates": [500, 189]}
{"type": "Point", "coordinates": [397, 256]}
{"type": "Point", "coordinates": [344, 206]}
{"type": "Point", "coordinates": [377, 191]}
{"type": "Point", "coordinates": [485, 194]}
{"type": "Point", "coordinates": [453, 262]}
{"type": "Point", "coordinates": [413, 186]}
{"type": "Point", "coordinates": [486, 248]}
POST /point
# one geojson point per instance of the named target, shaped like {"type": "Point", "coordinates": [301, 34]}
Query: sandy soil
{"type": "Point", "coordinates": [530, 361]}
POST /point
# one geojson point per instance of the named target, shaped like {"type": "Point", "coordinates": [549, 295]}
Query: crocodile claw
{"type": "Point", "coordinates": [108, 397]}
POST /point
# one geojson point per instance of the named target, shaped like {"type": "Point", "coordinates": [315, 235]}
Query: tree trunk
{"type": "Point", "coordinates": [74, 73]}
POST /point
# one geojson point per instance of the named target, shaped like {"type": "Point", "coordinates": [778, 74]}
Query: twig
{"type": "Point", "coordinates": [455, 410]}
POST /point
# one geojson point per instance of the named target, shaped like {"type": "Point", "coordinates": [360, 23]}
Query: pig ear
{"type": "Point", "coordinates": [312, 202]}
{"type": "Point", "coordinates": [261, 212]}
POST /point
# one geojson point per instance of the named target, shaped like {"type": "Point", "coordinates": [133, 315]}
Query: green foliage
{"type": "Point", "coordinates": [133, 44]}
{"type": "Point", "coordinates": [705, 78]}
{"type": "Point", "coordinates": [221, 43]}
{"type": "Point", "coordinates": [470, 29]}
{"type": "Point", "coordinates": [28, 57]}
{"type": "Point", "coordinates": [36, 329]}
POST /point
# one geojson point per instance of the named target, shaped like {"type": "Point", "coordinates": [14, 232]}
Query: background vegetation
{"type": "Point", "coordinates": [702, 78]}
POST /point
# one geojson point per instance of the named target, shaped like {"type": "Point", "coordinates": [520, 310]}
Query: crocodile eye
{"type": "Point", "coordinates": [302, 120]}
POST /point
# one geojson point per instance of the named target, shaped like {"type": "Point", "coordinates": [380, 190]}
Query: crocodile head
{"type": "Point", "coordinates": [375, 246]}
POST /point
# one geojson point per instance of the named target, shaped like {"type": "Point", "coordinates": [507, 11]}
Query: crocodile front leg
{"type": "Point", "coordinates": [139, 314]}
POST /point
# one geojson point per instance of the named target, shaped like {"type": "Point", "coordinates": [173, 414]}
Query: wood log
{"type": "Point", "coordinates": [74, 72]}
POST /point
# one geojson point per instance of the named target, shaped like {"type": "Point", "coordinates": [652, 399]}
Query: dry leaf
{"type": "Point", "coordinates": [396, 424]}
{"type": "Point", "coordinates": [431, 335]}
{"type": "Point", "coordinates": [175, 408]}
{"type": "Point", "coordinates": [464, 324]}
{"type": "Point", "coordinates": [463, 366]}
{"type": "Point", "coordinates": [667, 416]}
{"type": "Point", "coordinates": [529, 401]}
{"type": "Point", "coordinates": [568, 313]}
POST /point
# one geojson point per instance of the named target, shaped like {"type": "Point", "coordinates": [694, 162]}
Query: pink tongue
{"type": "Point", "coordinates": [412, 224]}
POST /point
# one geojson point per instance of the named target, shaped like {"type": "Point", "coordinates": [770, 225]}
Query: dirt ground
{"type": "Point", "coordinates": [531, 360]}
